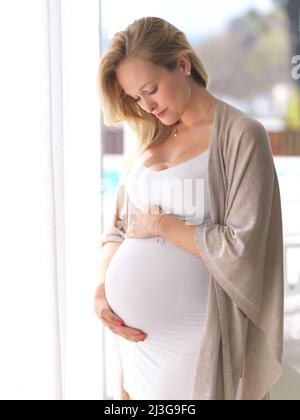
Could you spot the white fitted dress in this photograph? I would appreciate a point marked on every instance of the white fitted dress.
(161, 288)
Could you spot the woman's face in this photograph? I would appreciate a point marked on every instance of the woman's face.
(156, 89)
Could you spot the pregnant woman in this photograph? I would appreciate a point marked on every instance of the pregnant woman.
(192, 268)
(161, 290)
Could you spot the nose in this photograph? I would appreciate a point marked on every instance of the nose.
(149, 107)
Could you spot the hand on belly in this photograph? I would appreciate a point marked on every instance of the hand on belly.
(151, 286)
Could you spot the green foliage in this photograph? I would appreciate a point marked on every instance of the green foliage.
(293, 113)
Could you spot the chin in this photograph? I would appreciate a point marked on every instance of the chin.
(168, 122)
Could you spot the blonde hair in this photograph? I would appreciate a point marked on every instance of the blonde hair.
(154, 40)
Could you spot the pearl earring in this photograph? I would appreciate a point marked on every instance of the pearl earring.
(189, 73)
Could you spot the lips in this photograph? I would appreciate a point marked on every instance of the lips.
(160, 114)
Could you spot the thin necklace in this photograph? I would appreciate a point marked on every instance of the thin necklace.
(177, 129)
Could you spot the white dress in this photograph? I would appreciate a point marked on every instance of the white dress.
(160, 288)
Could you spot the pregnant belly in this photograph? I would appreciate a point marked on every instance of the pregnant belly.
(150, 286)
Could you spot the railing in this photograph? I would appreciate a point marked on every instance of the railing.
(285, 143)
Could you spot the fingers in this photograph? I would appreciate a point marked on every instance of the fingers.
(128, 333)
(112, 321)
(106, 314)
(154, 209)
(131, 334)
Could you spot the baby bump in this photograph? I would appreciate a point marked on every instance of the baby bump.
(151, 285)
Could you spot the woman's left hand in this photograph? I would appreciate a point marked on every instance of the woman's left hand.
(144, 223)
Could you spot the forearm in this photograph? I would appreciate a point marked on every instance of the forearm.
(179, 233)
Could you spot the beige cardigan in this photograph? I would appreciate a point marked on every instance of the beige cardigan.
(241, 351)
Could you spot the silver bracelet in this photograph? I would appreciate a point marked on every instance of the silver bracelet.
(160, 239)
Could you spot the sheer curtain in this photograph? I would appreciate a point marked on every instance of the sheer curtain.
(51, 341)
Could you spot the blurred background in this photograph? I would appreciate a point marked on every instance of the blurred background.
(60, 167)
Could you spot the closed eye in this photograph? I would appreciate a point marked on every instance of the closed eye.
(151, 93)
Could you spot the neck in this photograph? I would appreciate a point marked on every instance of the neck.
(199, 108)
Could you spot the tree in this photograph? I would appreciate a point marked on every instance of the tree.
(292, 8)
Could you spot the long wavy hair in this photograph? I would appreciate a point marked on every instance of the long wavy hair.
(154, 40)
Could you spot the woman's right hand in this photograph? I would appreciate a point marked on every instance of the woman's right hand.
(112, 321)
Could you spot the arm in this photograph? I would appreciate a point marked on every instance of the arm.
(179, 233)
(111, 240)
(116, 230)
(234, 246)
